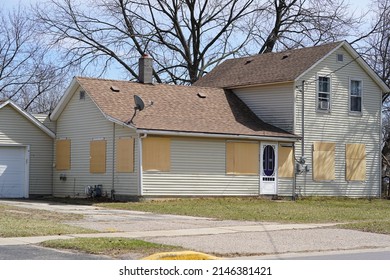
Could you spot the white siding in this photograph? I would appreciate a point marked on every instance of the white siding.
(341, 127)
(81, 121)
(16, 129)
(274, 104)
(198, 168)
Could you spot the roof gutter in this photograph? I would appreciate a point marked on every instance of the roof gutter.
(215, 135)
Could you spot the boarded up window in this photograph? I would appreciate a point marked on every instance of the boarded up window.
(156, 154)
(324, 161)
(125, 155)
(242, 158)
(355, 157)
(97, 156)
(63, 154)
(285, 162)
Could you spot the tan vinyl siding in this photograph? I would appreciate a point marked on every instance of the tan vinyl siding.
(81, 122)
(16, 129)
(198, 167)
(341, 127)
(274, 104)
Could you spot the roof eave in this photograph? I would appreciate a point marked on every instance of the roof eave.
(29, 117)
(259, 85)
(292, 138)
(319, 61)
(357, 58)
(64, 100)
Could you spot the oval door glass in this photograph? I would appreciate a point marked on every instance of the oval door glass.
(268, 160)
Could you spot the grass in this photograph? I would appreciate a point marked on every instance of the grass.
(113, 247)
(313, 210)
(20, 222)
(360, 214)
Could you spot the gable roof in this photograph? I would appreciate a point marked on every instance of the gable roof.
(28, 116)
(265, 68)
(185, 109)
(287, 66)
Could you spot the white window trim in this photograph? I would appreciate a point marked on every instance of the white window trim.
(318, 110)
(355, 113)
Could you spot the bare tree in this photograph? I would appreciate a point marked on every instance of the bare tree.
(184, 37)
(16, 52)
(26, 67)
(299, 23)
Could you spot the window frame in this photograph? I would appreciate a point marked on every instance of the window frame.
(320, 149)
(98, 156)
(318, 109)
(354, 163)
(124, 155)
(235, 159)
(350, 96)
(63, 149)
(156, 147)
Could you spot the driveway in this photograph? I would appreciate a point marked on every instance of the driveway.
(226, 238)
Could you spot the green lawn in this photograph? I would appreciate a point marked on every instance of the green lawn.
(19, 222)
(110, 246)
(362, 214)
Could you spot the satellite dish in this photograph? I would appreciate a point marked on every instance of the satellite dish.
(139, 103)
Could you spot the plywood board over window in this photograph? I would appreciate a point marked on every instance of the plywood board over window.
(97, 160)
(156, 154)
(125, 155)
(355, 159)
(324, 161)
(242, 158)
(285, 162)
(63, 154)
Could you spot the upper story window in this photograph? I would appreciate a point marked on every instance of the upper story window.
(355, 91)
(323, 93)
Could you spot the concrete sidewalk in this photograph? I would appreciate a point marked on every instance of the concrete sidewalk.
(226, 238)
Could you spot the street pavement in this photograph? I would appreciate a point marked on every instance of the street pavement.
(229, 239)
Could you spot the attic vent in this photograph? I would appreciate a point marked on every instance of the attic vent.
(285, 56)
(115, 89)
(201, 95)
(249, 60)
(340, 57)
(82, 95)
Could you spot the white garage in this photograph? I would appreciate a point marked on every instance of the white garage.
(13, 171)
(26, 154)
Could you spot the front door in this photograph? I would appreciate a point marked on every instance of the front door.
(268, 168)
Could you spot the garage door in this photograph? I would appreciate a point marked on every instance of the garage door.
(13, 167)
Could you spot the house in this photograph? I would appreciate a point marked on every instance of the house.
(331, 98)
(187, 141)
(301, 122)
(26, 152)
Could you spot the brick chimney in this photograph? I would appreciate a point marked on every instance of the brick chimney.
(145, 68)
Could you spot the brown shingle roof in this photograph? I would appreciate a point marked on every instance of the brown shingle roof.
(265, 68)
(178, 108)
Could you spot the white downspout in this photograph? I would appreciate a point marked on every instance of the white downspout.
(140, 170)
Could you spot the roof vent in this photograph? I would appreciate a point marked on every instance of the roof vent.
(82, 95)
(285, 56)
(201, 95)
(115, 89)
(249, 60)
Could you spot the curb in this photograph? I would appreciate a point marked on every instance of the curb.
(183, 255)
